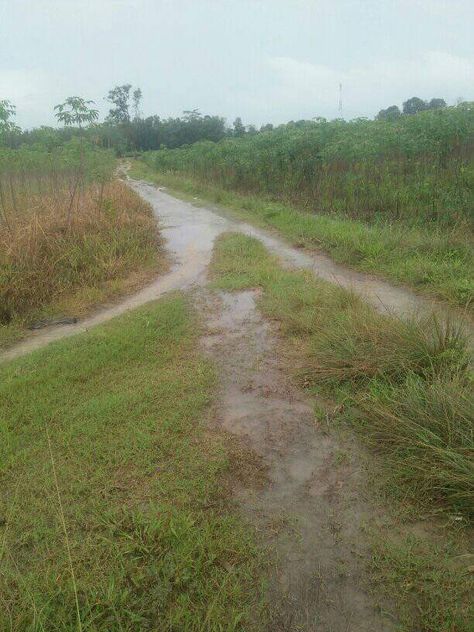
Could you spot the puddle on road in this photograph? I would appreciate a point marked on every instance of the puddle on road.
(189, 232)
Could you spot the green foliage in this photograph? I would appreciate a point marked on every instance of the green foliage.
(7, 111)
(9, 132)
(417, 169)
(414, 105)
(238, 128)
(120, 98)
(391, 113)
(428, 579)
(430, 257)
(75, 111)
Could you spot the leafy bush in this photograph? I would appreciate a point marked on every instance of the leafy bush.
(416, 168)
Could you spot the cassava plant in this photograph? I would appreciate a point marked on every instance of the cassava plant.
(76, 112)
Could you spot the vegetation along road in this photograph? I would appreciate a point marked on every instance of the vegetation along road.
(278, 442)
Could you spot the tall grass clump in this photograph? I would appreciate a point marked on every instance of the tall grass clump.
(405, 384)
(61, 234)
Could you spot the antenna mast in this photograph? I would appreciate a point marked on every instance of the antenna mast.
(340, 98)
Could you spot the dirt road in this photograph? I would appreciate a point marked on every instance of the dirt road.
(313, 508)
(190, 232)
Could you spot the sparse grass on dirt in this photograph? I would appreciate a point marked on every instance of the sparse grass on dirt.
(114, 513)
(405, 386)
(429, 577)
(434, 259)
(48, 269)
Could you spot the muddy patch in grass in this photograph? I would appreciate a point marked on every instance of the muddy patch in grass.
(312, 511)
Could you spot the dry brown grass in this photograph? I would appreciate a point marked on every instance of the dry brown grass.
(112, 243)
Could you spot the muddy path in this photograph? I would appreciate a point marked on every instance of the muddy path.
(190, 232)
(313, 510)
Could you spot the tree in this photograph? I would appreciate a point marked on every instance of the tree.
(75, 112)
(239, 128)
(191, 115)
(120, 97)
(437, 104)
(137, 97)
(391, 113)
(7, 111)
(8, 129)
(414, 105)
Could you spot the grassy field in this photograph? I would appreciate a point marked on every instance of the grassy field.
(51, 269)
(406, 388)
(114, 513)
(435, 259)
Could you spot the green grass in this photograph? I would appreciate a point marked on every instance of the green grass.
(408, 380)
(436, 261)
(406, 389)
(121, 520)
(429, 580)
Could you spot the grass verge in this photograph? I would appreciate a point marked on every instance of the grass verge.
(48, 270)
(438, 262)
(406, 387)
(114, 512)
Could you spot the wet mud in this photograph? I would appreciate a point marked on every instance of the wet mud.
(313, 511)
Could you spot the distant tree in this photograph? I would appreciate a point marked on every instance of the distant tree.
(238, 128)
(75, 111)
(414, 105)
(252, 130)
(268, 127)
(7, 112)
(137, 97)
(437, 104)
(391, 113)
(191, 115)
(120, 98)
(9, 132)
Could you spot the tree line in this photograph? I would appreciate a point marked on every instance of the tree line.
(416, 169)
(126, 130)
(411, 106)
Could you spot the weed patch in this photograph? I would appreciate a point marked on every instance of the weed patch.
(48, 269)
(378, 363)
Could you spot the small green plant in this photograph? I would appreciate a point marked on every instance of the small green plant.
(76, 112)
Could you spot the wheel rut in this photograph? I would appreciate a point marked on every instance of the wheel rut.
(313, 510)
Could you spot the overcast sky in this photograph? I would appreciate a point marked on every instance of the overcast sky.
(263, 60)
